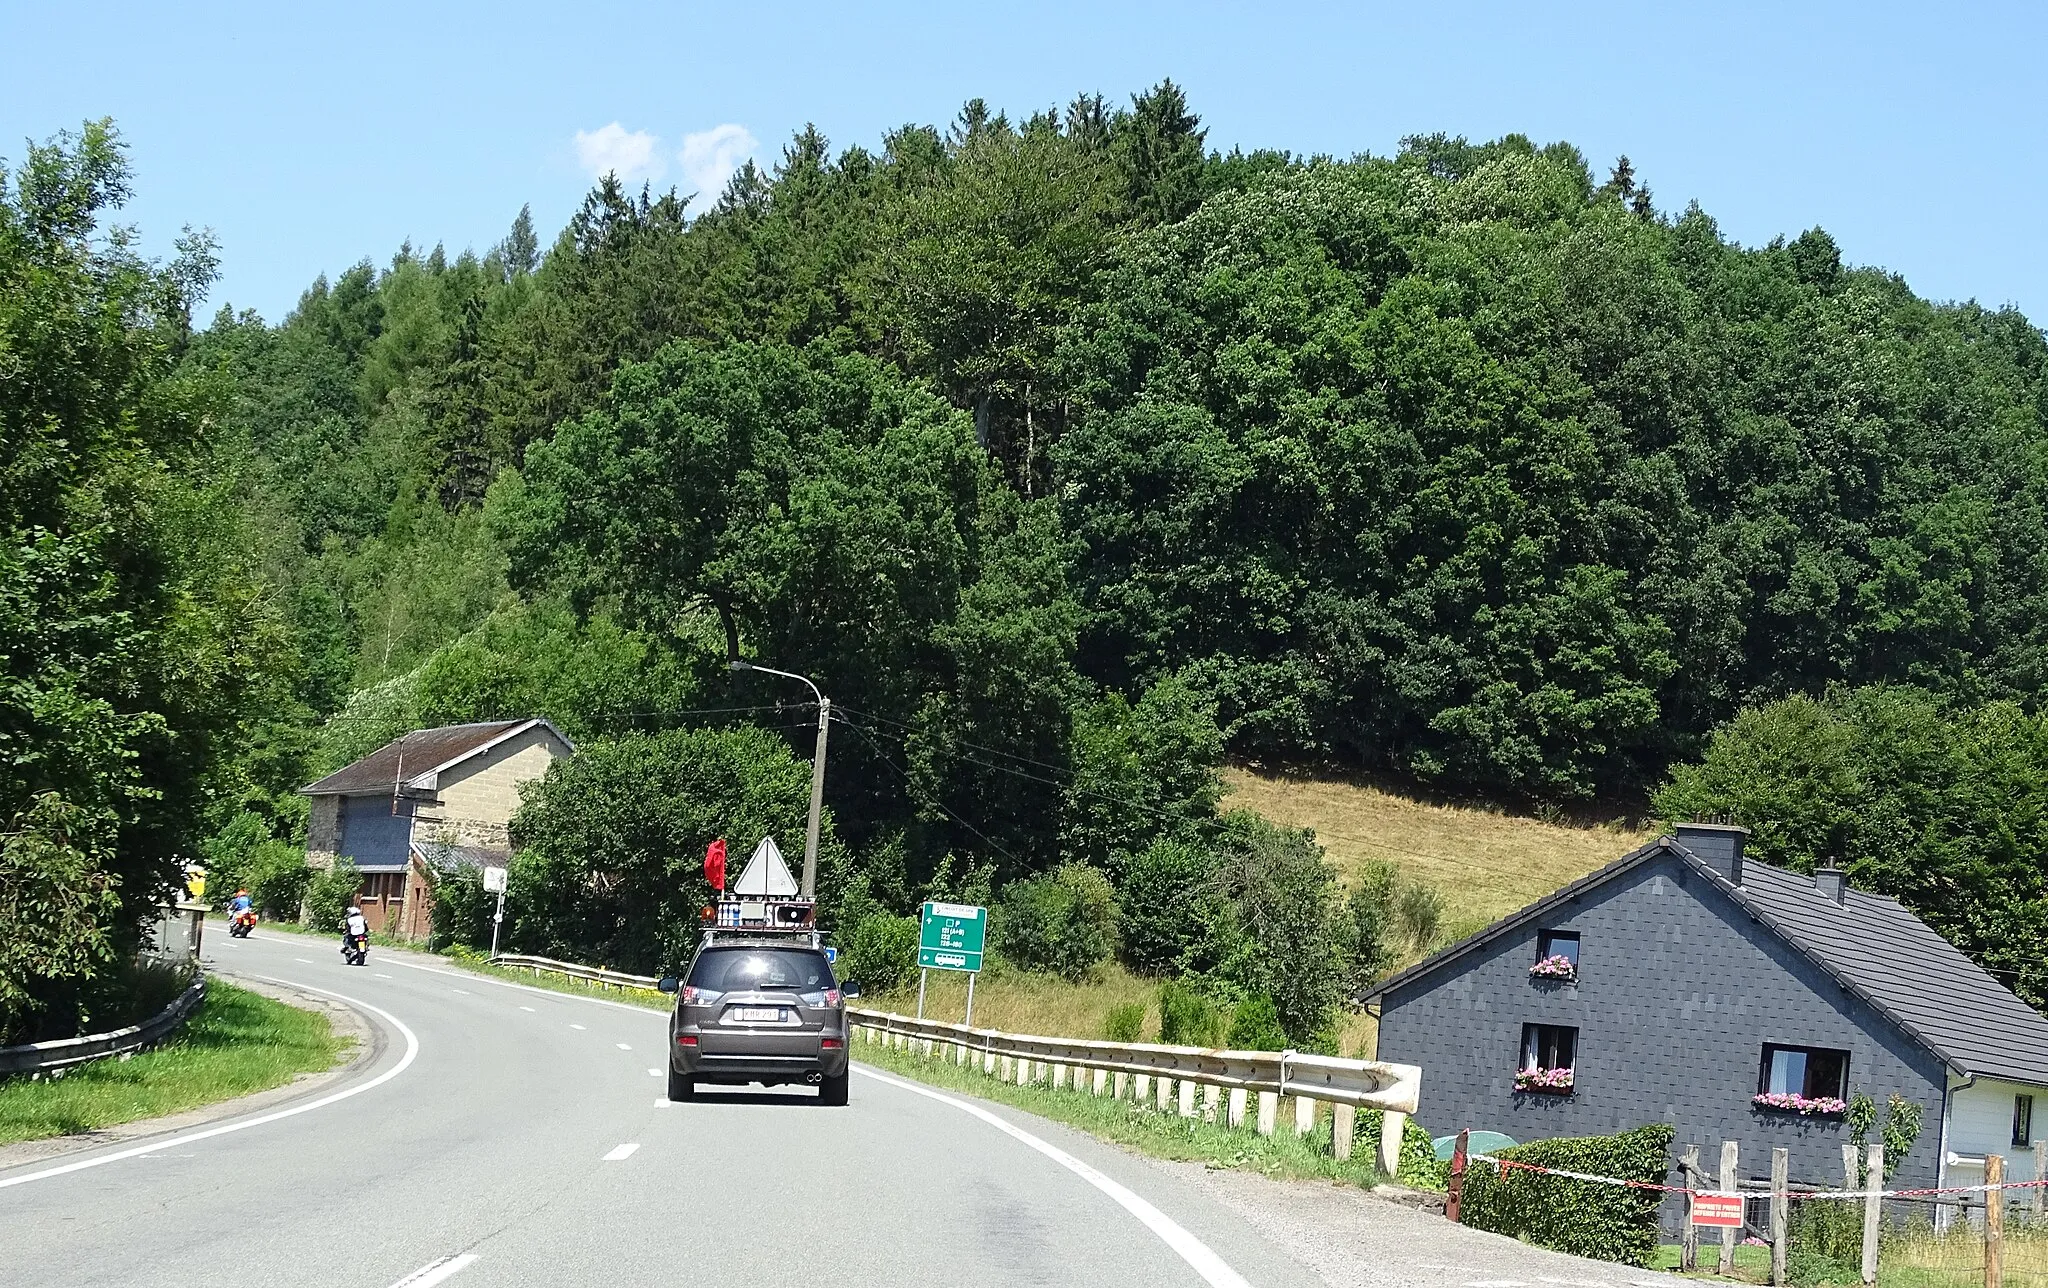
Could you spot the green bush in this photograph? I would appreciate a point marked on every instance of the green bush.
(881, 953)
(1167, 903)
(1064, 923)
(1418, 1164)
(1255, 1026)
(1125, 1023)
(1186, 1018)
(1607, 1222)
(328, 893)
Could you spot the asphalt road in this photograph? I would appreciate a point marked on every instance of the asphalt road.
(510, 1136)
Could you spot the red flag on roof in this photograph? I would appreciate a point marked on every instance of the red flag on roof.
(714, 864)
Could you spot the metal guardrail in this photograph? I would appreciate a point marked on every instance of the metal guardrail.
(589, 974)
(1365, 1084)
(62, 1053)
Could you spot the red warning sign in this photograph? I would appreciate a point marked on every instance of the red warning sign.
(1723, 1210)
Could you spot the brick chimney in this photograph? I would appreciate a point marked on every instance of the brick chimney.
(1718, 845)
(1833, 883)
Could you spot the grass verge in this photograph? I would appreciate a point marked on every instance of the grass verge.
(238, 1042)
(1141, 1127)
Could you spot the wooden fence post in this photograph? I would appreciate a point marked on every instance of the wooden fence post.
(1994, 1221)
(1873, 1211)
(1236, 1113)
(1781, 1212)
(1269, 1111)
(1730, 1182)
(2041, 1174)
(1343, 1121)
(1162, 1089)
(1305, 1117)
(1689, 1247)
(1454, 1202)
(1187, 1098)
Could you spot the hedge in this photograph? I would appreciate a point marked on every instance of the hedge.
(1607, 1222)
(1418, 1165)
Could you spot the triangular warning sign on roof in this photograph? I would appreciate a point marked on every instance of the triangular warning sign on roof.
(767, 876)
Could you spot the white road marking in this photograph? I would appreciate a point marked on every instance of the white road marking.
(465, 992)
(654, 1073)
(663, 1103)
(622, 1046)
(412, 1051)
(383, 976)
(306, 961)
(527, 1009)
(622, 1152)
(436, 1271)
(1200, 1257)
(578, 1026)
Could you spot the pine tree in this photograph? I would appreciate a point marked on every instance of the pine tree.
(1159, 145)
(520, 250)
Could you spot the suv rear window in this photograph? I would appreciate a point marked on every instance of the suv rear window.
(731, 970)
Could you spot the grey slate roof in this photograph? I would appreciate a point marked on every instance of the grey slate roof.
(1873, 945)
(1899, 962)
(418, 756)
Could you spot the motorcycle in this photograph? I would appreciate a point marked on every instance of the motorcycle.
(355, 949)
(242, 923)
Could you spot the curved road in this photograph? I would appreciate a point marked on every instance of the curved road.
(521, 1137)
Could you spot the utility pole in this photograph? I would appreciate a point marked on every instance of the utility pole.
(810, 888)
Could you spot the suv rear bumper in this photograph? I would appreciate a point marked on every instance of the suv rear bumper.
(729, 1057)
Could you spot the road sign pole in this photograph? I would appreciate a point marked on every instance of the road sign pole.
(969, 1021)
(921, 977)
(496, 919)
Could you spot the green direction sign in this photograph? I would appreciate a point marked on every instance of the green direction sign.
(950, 936)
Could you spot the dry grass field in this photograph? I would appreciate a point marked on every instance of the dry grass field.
(1486, 863)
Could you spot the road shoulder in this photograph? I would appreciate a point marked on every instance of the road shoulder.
(369, 1045)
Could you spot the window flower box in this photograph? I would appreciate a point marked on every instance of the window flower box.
(1556, 966)
(1546, 1080)
(1791, 1103)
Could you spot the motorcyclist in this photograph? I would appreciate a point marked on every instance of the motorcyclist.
(355, 928)
(240, 904)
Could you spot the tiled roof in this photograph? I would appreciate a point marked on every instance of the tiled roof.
(409, 762)
(1894, 960)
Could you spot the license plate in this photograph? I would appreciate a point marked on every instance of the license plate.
(757, 1014)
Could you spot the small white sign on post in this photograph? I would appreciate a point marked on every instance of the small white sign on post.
(494, 880)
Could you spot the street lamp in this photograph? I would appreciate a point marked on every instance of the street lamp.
(810, 890)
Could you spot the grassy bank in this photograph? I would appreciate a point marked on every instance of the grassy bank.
(1141, 1127)
(238, 1042)
(1487, 863)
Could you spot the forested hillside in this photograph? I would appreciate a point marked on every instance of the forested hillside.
(1069, 456)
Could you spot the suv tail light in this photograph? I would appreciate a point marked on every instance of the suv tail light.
(829, 1044)
(686, 1039)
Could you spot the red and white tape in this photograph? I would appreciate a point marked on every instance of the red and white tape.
(1505, 1163)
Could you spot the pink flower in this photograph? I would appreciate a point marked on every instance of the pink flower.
(1558, 966)
(1543, 1080)
(1798, 1104)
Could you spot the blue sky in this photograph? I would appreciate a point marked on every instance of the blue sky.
(308, 141)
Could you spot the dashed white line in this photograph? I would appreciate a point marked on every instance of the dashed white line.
(1200, 1257)
(622, 1046)
(654, 1073)
(380, 975)
(412, 1051)
(663, 1103)
(621, 1153)
(304, 961)
(435, 1272)
(465, 992)
(527, 1009)
(578, 1026)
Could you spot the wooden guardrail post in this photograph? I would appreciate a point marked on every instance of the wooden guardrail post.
(1162, 1089)
(1269, 1111)
(1729, 1234)
(1098, 1083)
(1343, 1121)
(1122, 1080)
(1143, 1091)
(1781, 1215)
(1873, 1210)
(1236, 1113)
(1187, 1098)
(1393, 1126)
(1304, 1115)
(1994, 1221)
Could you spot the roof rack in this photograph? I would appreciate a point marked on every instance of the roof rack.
(749, 918)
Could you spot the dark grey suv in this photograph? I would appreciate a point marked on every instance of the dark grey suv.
(757, 1009)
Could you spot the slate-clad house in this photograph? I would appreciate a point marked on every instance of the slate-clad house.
(1689, 985)
(433, 794)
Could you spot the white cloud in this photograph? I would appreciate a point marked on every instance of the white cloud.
(710, 157)
(614, 150)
